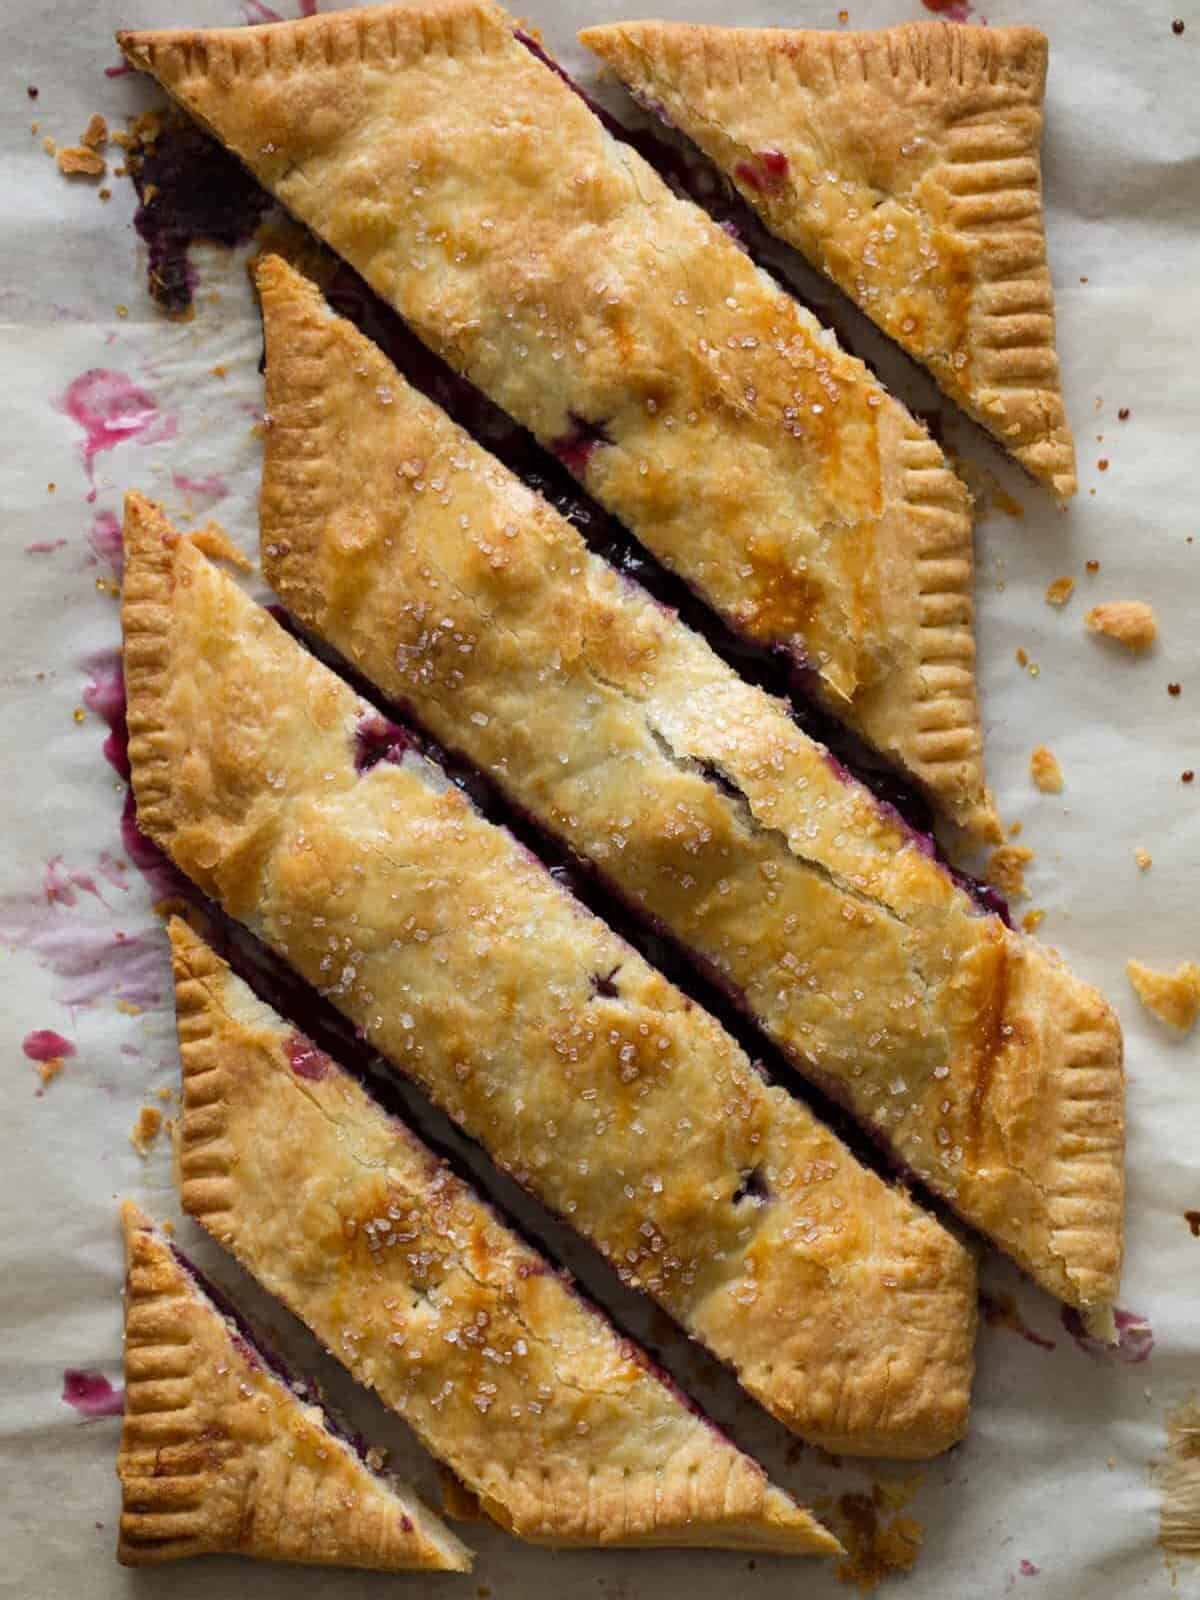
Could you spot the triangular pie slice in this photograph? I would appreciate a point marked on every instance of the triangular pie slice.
(561, 1427)
(220, 1455)
(993, 1074)
(906, 164)
(703, 406)
(840, 1305)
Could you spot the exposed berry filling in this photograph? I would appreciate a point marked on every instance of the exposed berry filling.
(307, 1061)
(578, 444)
(377, 739)
(765, 173)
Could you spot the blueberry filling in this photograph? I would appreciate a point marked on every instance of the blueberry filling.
(764, 174)
(377, 739)
(576, 447)
(752, 1187)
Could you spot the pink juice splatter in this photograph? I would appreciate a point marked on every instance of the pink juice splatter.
(91, 1394)
(121, 70)
(104, 693)
(1135, 1337)
(107, 543)
(43, 1044)
(212, 488)
(1028, 1569)
(60, 882)
(952, 10)
(44, 547)
(110, 408)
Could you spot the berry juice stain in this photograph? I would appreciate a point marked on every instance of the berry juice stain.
(91, 1394)
(111, 409)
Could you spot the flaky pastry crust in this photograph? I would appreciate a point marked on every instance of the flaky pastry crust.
(556, 1423)
(845, 1309)
(991, 1072)
(219, 1456)
(701, 404)
(906, 164)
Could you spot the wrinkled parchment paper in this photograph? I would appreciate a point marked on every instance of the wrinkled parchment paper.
(1051, 1494)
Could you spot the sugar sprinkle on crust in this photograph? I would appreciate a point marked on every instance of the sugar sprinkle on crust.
(696, 795)
(558, 1425)
(218, 1456)
(841, 1305)
(698, 402)
(905, 163)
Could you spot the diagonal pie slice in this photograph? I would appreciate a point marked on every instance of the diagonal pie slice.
(840, 1305)
(219, 1455)
(992, 1073)
(544, 259)
(560, 1426)
(905, 163)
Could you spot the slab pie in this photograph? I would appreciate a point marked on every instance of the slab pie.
(219, 1455)
(993, 1074)
(479, 195)
(841, 1305)
(559, 1425)
(906, 164)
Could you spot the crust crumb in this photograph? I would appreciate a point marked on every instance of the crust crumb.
(146, 1129)
(1032, 921)
(95, 135)
(216, 543)
(1143, 858)
(47, 1071)
(76, 162)
(875, 1547)
(1129, 622)
(1060, 591)
(1045, 770)
(1177, 1477)
(1006, 869)
(1173, 997)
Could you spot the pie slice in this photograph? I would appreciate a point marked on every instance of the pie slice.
(219, 1454)
(905, 163)
(843, 1307)
(562, 1428)
(478, 194)
(993, 1074)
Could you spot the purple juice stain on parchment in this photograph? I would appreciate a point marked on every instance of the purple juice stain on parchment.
(211, 488)
(1135, 1338)
(107, 543)
(111, 409)
(91, 1394)
(1028, 1569)
(44, 547)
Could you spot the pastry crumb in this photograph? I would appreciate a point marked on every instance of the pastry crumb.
(76, 162)
(47, 1071)
(1032, 921)
(95, 135)
(1045, 770)
(1060, 591)
(1143, 858)
(1130, 622)
(1022, 657)
(1014, 828)
(146, 1129)
(1173, 997)
(49, 146)
(216, 544)
(1006, 869)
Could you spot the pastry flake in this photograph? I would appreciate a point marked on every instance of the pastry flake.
(1173, 997)
(560, 1427)
(905, 164)
(695, 795)
(1129, 622)
(1045, 770)
(840, 1305)
(219, 1455)
(696, 400)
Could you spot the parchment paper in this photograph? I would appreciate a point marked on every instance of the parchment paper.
(1055, 1474)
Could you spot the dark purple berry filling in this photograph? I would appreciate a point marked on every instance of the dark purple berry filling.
(576, 447)
(765, 174)
(375, 740)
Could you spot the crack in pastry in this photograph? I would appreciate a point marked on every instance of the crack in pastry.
(905, 164)
(479, 196)
(845, 1309)
(559, 1425)
(990, 1071)
(220, 1455)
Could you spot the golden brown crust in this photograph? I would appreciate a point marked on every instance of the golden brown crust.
(464, 595)
(905, 163)
(699, 402)
(219, 1456)
(556, 1423)
(841, 1305)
